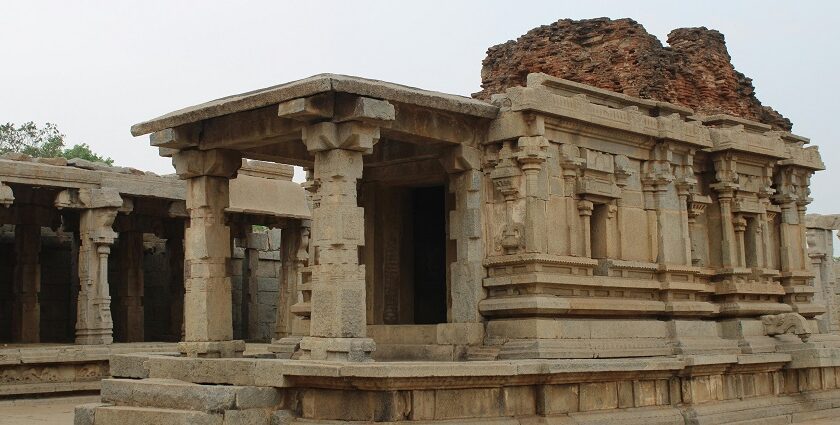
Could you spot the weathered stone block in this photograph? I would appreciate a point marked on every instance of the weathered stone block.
(168, 394)
(257, 397)
(561, 399)
(247, 417)
(84, 414)
(355, 405)
(598, 396)
(124, 415)
(129, 366)
(467, 403)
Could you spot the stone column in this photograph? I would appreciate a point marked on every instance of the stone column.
(465, 228)
(128, 305)
(294, 242)
(93, 316)
(208, 320)
(26, 309)
(339, 320)
(254, 243)
(287, 293)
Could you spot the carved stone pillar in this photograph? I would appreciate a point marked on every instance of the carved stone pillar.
(26, 308)
(465, 228)
(128, 303)
(339, 319)
(293, 304)
(290, 265)
(796, 276)
(208, 320)
(93, 317)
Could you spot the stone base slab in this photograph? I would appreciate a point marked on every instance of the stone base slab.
(285, 348)
(28, 370)
(645, 391)
(337, 349)
(212, 349)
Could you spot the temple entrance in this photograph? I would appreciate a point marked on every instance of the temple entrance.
(429, 246)
(406, 255)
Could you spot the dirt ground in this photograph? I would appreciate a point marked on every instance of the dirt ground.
(42, 411)
(59, 411)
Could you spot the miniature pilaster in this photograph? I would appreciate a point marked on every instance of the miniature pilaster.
(208, 321)
(726, 185)
(531, 155)
(93, 318)
(339, 322)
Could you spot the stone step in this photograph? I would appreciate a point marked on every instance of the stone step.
(131, 415)
(174, 394)
(482, 353)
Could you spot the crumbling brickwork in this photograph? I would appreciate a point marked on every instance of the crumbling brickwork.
(620, 55)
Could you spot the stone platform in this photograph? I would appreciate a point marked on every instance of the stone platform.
(757, 388)
(37, 369)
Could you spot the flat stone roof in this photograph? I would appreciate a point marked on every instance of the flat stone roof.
(260, 188)
(313, 85)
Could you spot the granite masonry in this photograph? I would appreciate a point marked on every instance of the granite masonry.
(551, 253)
(93, 258)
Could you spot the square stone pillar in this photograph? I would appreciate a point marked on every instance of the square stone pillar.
(26, 308)
(466, 273)
(128, 305)
(208, 321)
(339, 319)
(93, 314)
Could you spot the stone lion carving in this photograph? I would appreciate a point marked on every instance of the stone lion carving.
(778, 324)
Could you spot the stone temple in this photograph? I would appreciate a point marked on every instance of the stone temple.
(549, 252)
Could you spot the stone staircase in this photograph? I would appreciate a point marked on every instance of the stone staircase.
(173, 402)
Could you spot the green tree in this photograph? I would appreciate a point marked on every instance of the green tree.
(44, 142)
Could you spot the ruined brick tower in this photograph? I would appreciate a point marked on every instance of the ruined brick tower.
(620, 55)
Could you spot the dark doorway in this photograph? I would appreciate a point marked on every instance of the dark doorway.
(429, 230)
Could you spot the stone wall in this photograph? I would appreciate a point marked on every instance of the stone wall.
(265, 279)
(620, 55)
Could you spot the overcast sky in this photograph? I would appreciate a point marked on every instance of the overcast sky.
(96, 67)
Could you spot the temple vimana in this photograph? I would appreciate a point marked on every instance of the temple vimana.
(611, 231)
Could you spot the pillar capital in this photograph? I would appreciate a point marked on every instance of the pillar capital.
(350, 135)
(212, 162)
